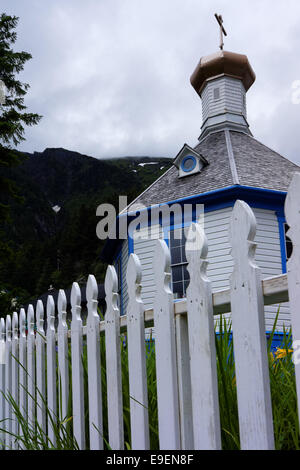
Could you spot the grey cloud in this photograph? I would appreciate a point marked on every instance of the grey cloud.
(111, 77)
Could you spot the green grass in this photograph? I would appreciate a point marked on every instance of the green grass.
(283, 394)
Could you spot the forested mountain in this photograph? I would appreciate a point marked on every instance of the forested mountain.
(49, 248)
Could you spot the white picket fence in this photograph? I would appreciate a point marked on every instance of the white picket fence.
(187, 391)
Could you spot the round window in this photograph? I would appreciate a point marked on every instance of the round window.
(188, 163)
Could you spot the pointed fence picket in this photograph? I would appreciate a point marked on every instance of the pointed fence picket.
(293, 270)
(15, 375)
(94, 366)
(204, 383)
(31, 367)
(165, 352)
(40, 367)
(63, 364)
(137, 358)
(186, 364)
(2, 381)
(23, 366)
(249, 338)
(77, 367)
(113, 362)
(51, 371)
(8, 383)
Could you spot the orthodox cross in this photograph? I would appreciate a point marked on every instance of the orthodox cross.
(222, 30)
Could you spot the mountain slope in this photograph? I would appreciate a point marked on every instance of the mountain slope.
(57, 249)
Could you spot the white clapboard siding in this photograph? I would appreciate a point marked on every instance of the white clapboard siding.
(268, 255)
(142, 247)
(216, 224)
(231, 92)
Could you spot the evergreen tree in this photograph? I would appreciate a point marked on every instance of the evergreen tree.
(13, 119)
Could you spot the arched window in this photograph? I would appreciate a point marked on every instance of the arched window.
(288, 243)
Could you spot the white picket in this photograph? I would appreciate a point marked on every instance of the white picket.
(137, 357)
(165, 351)
(2, 381)
(63, 362)
(40, 367)
(77, 367)
(184, 382)
(113, 361)
(205, 402)
(94, 366)
(15, 375)
(30, 367)
(23, 364)
(8, 384)
(249, 338)
(51, 371)
(293, 271)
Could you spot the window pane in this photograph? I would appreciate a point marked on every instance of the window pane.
(186, 275)
(177, 273)
(175, 237)
(175, 255)
(178, 288)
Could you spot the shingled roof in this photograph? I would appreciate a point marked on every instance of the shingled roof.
(234, 158)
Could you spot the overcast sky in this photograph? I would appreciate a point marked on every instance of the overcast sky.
(111, 77)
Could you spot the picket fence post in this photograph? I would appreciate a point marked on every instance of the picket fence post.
(40, 366)
(63, 362)
(77, 367)
(8, 383)
(205, 401)
(15, 374)
(2, 380)
(292, 207)
(249, 337)
(94, 366)
(51, 370)
(137, 357)
(30, 366)
(23, 364)
(113, 361)
(165, 351)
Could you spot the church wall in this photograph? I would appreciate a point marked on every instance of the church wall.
(268, 257)
(144, 249)
(232, 97)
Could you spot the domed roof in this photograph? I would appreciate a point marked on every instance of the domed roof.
(222, 63)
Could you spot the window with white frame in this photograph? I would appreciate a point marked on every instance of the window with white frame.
(180, 275)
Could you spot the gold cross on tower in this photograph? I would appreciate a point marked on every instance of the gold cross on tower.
(222, 30)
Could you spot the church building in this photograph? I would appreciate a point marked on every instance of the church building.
(227, 164)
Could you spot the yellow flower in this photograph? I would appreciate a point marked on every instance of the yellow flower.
(280, 353)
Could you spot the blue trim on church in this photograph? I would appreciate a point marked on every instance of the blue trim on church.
(214, 200)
